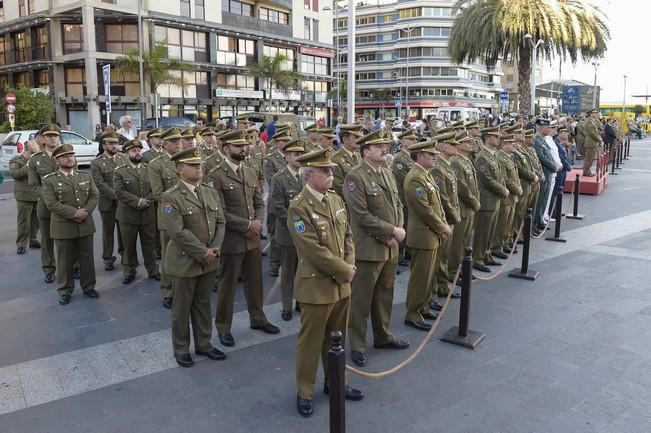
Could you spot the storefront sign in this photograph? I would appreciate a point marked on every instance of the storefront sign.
(319, 52)
(292, 95)
(233, 93)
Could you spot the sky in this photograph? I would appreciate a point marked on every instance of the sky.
(629, 22)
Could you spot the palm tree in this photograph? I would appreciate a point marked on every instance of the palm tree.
(271, 71)
(490, 30)
(156, 65)
(382, 96)
(343, 96)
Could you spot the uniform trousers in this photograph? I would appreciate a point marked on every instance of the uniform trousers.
(27, 225)
(288, 264)
(542, 200)
(165, 279)
(481, 240)
(420, 283)
(108, 236)
(192, 304)
(588, 158)
(48, 262)
(274, 248)
(130, 234)
(460, 241)
(317, 323)
(372, 294)
(440, 283)
(504, 226)
(69, 251)
(247, 265)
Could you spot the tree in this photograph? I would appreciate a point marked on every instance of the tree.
(271, 71)
(490, 30)
(343, 95)
(382, 96)
(33, 108)
(638, 110)
(156, 65)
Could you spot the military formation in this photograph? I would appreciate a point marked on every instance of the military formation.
(340, 223)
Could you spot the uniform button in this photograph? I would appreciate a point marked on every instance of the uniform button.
(312, 274)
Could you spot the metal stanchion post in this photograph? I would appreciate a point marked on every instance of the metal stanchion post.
(620, 149)
(577, 186)
(559, 217)
(461, 335)
(524, 272)
(336, 379)
(613, 162)
(617, 161)
(628, 147)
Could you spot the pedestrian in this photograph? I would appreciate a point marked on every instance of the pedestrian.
(71, 196)
(549, 168)
(26, 199)
(348, 156)
(319, 227)
(401, 165)
(195, 223)
(271, 128)
(127, 131)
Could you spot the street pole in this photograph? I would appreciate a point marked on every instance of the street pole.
(534, 63)
(351, 62)
(408, 30)
(336, 5)
(594, 96)
(624, 125)
(143, 107)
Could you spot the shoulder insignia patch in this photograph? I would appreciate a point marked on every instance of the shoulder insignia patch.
(299, 226)
(420, 191)
(296, 217)
(437, 180)
(400, 166)
(352, 186)
(12, 165)
(482, 168)
(167, 207)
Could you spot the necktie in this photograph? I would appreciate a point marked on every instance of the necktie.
(197, 191)
(239, 172)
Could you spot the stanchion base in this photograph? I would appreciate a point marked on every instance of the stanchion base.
(613, 173)
(530, 275)
(556, 239)
(575, 217)
(471, 341)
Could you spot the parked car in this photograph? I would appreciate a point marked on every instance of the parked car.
(299, 123)
(14, 144)
(169, 122)
(453, 114)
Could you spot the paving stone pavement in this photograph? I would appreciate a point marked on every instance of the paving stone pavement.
(570, 352)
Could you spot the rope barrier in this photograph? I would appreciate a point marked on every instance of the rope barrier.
(506, 262)
(420, 347)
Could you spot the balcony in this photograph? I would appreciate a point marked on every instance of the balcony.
(256, 24)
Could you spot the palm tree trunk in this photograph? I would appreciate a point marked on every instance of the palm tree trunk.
(524, 78)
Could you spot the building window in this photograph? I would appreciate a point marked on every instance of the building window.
(40, 48)
(388, 19)
(237, 7)
(343, 23)
(307, 28)
(315, 91)
(42, 78)
(200, 9)
(411, 13)
(121, 37)
(3, 51)
(21, 52)
(315, 30)
(414, 32)
(436, 32)
(185, 8)
(234, 81)
(367, 39)
(2, 10)
(183, 44)
(314, 65)
(365, 76)
(127, 85)
(270, 51)
(196, 86)
(75, 81)
(109, 1)
(235, 52)
(437, 12)
(21, 8)
(274, 16)
(362, 21)
(73, 38)
(23, 79)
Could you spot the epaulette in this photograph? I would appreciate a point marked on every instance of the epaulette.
(158, 157)
(120, 166)
(101, 155)
(38, 153)
(49, 174)
(206, 184)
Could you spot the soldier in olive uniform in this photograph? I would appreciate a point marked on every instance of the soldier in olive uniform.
(102, 169)
(187, 138)
(474, 130)
(376, 219)
(71, 196)
(195, 223)
(217, 157)
(41, 164)
(254, 156)
(162, 176)
(580, 134)
(325, 136)
(207, 143)
(155, 145)
(593, 141)
(26, 197)
(491, 191)
(241, 197)
(508, 205)
(402, 163)
(528, 180)
(348, 156)
(427, 227)
(446, 181)
(312, 138)
(285, 185)
(469, 204)
(319, 227)
(136, 211)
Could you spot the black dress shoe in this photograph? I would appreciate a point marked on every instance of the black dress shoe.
(507, 250)
(263, 237)
(267, 328)
(35, 244)
(500, 255)
(297, 307)
(455, 295)
(430, 315)
(64, 299)
(286, 315)
(436, 306)
(157, 253)
(273, 272)
(492, 262)
(304, 407)
(398, 271)
(108, 266)
(128, 278)
(350, 392)
(420, 325)
(21, 250)
(482, 268)
(154, 276)
(214, 354)
(184, 359)
(397, 344)
(226, 339)
(359, 358)
(403, 262)
(76, 275)
(49, 277)
(167, 303)
(92, 293)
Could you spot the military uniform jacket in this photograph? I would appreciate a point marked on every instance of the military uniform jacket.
(535, 162)
(131, 184)
(544, 155)
(207, 151)
(580, 132)
(273, 163)
(467, 187)
(242, 203)
(212, 161)
(255, 162)
(193, 226)
(162, 176)
(40, 164)
(345, 163)
(64, 195)
(477, 146)
(150, 155)
(102, 169)
(446, 180)
(19, 172)
(426, 215)
(592, 130)
(284, 187)
(324, 243)
(375, 209)
(511, 177)
(491, 181)
(402, 163)
(526, 170)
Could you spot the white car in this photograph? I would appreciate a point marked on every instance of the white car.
(14, 144)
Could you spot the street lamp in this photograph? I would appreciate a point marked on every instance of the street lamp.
(143, 106)
(335, 7)
(594, 97)
(408, 29)
(624, 106)
(534, 62)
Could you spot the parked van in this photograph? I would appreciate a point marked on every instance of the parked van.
(453, 114)
(299, 123)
